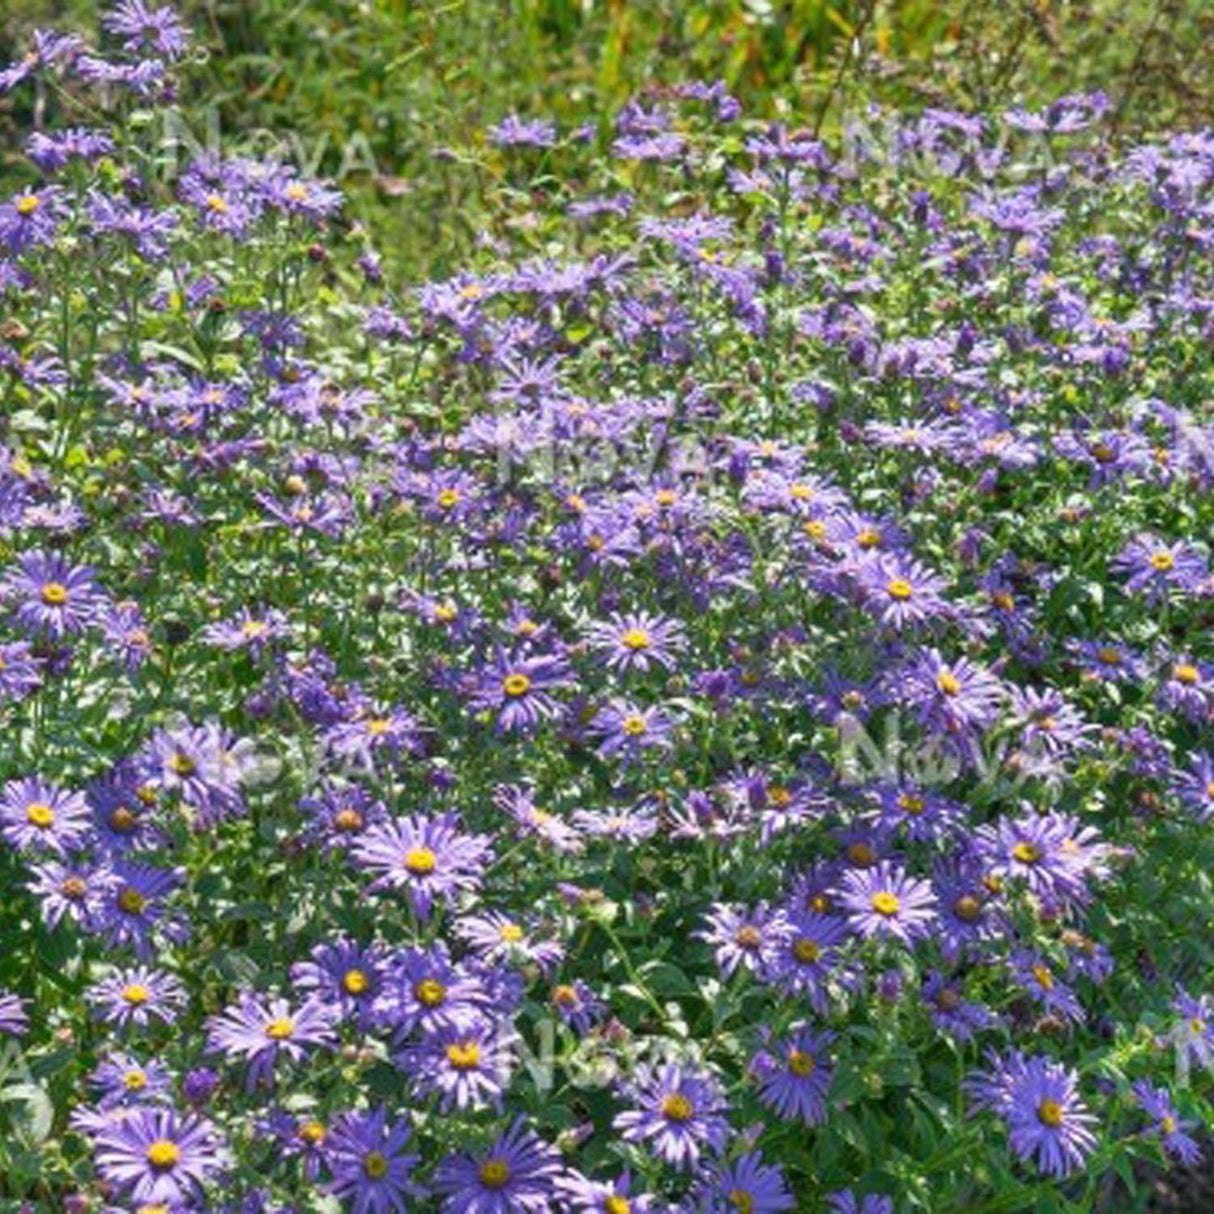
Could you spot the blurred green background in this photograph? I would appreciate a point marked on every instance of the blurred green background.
(378, 92)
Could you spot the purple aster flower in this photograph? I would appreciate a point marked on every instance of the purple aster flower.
(1153, 566)
(49, 47)
(638, 642)
(1038, 850)
(807, 956)
(900, 592)
(1050, 728)
(950, 1011)
(630, 825)
(1037, 979)
(1047, 1122)
(680, 1113)
(1167, 1126)
(424, 989)
(122, 1079)
(338, 816)
(369, 1162)
(36, 815)
(20, 672)
(743, 938)
(147, 31)
(426, 858)
(598, 1197)
(468, 1067)
(496, 938)
(13, 1018)
(1194, 786)
(156, 1156)
(251, 630)
(346, 976)
(515, 132)
(577, 1005)
(958, 699)
(135, 997)
(516, 1175)
(1188, 687)
(201, 765)
(627, 730)
(135, 905)
(846, 1202)
(260, 1032)
(518, 689)
(794, 1075)
(746, 1184)
(544, 824)
(31, 219)
(75, 889)
(920, 813)
(50, 597)
(885, 901)
(1194, 1035)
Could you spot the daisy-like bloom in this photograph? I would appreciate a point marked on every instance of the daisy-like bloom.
(807, 955)
(1039, 850)
(251, 630)
(884, 901)
(1050, 728)
(900, 593)
(627, 730)
(135, 997)
(1194, 1033)
(638, 642)
(1154, 567)
(957, 699)
(200, 764)
(20, 672)
(13, 1018)
(37, 815)
(1194, 786)
(370, 1164)
(680, 1114)
(918, 812)
(75, 890)
(498, 938)
(1034, 975)
(156, 1157)
(545, 825)
(337, 816)
(846, 1202)
(260, 1032)
(344, 975)
(148, 31)
(468, 1067)
(135, 907)
(372, 733)
(794, 1074)
(518, 689)
(1106, 661)
(967, 916)
(428, 859)
(518, 1174)
(1047, 1122)
(122, 1079)
(950, 1011)
(747, 1184)
(743, 938)
(628, 825)
(599, 1197)
(424, 989)
(1188, 687)
(1166, 1124)
(49, 597)
(577, 1005)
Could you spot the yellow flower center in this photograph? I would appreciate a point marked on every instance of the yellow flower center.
(635, 638)
(868, 538)
(886, 903)
(1049, 1113)
(1003, 600)
(805, 950)
(73, 887)
(748, 937)
(815, 528)
(677, 1107)
(28, 204)
(217, 204)
(742, 1201)
(511, 933)
(861, 855)
(1108, 657)
(967, 908)
(182, 764)
(1162, 560)
(430, 992)
(378, 726)
(355, 982)
(634, 725)
(375, 1165)
(800, 493)
(123, 820)
(131, 901)
(911, 804)
(1168, 1125)
(136, 994)
(134, 1081)
(1044, 976)
(420, 861)
(516, 684)
(900, 589)
(1186, 674)
(801, 1064)
(666, 497)
(1026, 853)
(494, 1173)
(40, 815)
(297, 191)
(617, 1205)
(163, 1154)
(446, 613)
(948, 682)
(313, 1132)
(449, 498)
(473, 290)
(464, 1055)
(54, 594)
(348, 820)
(280, 1029)
(947, 999)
